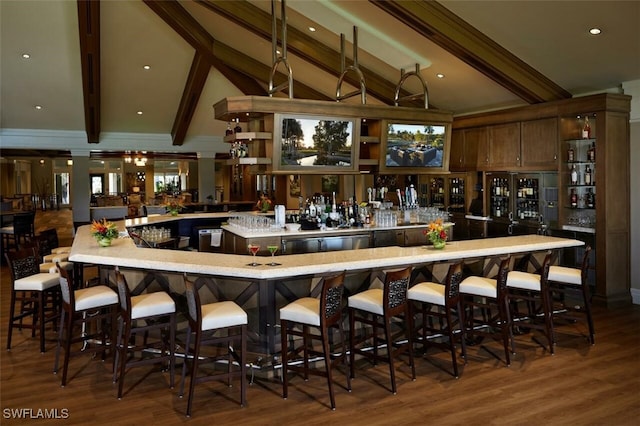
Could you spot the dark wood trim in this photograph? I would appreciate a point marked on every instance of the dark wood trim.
(456, 36)
(310, 50)
(89, 32)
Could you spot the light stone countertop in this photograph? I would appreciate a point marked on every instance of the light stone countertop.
(123, 252)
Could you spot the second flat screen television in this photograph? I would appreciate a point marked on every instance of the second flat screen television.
(415, 146)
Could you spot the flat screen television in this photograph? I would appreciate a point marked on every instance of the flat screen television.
(311, 144)
(419, 148)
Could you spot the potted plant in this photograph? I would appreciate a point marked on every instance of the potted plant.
(104, 232)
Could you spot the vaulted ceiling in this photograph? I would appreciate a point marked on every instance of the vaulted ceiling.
(87, 57)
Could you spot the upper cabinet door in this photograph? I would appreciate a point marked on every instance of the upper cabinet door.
(504, 146)
(456, 159)
(539, 142)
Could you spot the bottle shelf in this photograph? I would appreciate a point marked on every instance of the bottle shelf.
(578, 163)
(593, 185)
(248, 161)
(579, 208)
(246, 136)
(581, 140)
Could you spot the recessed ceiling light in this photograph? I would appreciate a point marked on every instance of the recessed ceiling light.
(38, 107)
(440, 75)
(595, 31)
(312, 29)
(139, 113)
(147, 67)
(26, 56)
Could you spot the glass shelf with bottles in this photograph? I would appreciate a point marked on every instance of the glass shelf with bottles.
(582, 198)
(456, 195)
(436, 193)
(499, 204)
(527, 199)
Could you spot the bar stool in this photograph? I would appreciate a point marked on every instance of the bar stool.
(87, 305)
(157, 311)
(486, 295)
(440, 301)
(35, 291)
(324, 313)
(375, 308)
(531, 289)
(563, 279)
(205, 321)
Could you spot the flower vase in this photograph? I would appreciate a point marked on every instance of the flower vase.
(174, 212)
(439, 245)
(104, 242)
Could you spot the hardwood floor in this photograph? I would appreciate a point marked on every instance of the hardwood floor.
(579, 385)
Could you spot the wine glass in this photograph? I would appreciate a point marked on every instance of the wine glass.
(273, 248)
(254, 249)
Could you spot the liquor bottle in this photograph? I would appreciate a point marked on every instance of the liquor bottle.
(237, 129)
(571, 154)
(229, 130)
(591, 153)
(586, 129)
(591, 199)
(574, 199)
(574, 175)
(587, 175)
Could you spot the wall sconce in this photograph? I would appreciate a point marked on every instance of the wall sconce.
(42, 161)
(69, 162)
(140, 161)
(127, 159)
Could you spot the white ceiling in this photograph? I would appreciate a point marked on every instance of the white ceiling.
(550, 36)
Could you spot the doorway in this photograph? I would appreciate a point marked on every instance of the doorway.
(97, 183)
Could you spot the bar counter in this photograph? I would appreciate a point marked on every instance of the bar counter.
(263, 289)
(123, 252)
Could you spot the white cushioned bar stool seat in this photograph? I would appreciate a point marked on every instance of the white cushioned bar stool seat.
(532, 289)
(375, 309)
(441, 301)
(140, 315)
(59, 250)
(55, 257)
(52, 268)
(488, 297)
(222, 314)
(297, 318)
(33, 293)
(97, 305)
(564, 279)
(221, 324)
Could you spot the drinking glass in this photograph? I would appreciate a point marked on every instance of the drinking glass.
(272, 249)
(254, 249)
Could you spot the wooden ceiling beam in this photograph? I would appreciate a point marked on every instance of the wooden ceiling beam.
(89, 32)
(196, 80)
(455, 35)
(307, 48)
(216, 53)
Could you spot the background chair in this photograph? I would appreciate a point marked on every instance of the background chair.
(35, 292)
(144, 313)
(21, 231)
(440, 301)
(323, 313)
(564, 281)
(376, 308)
(220, 324)
(87, 305)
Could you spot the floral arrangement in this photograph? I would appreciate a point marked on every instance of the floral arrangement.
(174, 206)
(104, 230)
(436, 232)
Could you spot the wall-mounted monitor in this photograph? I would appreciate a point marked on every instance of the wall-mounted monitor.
(311, 144)
(416, 148)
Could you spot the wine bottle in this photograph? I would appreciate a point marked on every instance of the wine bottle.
(587, 175)
(229, 130)
(591, 154)
(237, 129)
(586, 129)
(574, 199)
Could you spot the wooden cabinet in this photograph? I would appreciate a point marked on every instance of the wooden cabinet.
(539, 144)
(501, 149)
(464, 149)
